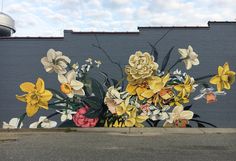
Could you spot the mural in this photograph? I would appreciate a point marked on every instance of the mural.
(150, 92)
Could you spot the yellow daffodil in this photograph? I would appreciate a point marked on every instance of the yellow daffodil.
(36, 96)
(134, 119)
(149, 87)
(224, 79)
(185, 88)
(124, 107)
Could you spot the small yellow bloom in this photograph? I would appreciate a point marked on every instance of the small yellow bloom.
(185, 88)
(134, 119)
(123, 108)
(37, 96)
(224, 79)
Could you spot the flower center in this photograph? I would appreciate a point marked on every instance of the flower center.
(32, 98)
(66, 88)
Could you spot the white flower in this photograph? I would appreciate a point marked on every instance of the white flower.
(66, 114)
(159, 114)
(13, 123)
(179, 113)
(45, 123)
(55, 61)
(189, 56)
(209, 94)
(69, 85)
(89, 60)
(98, 63)
(85, 68)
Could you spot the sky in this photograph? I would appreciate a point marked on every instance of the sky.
(51, 17)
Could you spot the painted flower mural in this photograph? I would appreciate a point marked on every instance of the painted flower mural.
(153, 95)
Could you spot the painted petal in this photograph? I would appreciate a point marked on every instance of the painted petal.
(45, 62)
(62, 78)
(190, 49)
(51, 55)
(147, 94)
(34, 125)
(42, 118)
(188, 64)
(178, 109)
(130, 122)
(69, 117)
(183, 53)
(226, 85)
(43, 105)
(79, 92)
(71, 75)
(27, 87)
(215, 80)
(131, 89)
(225, 78)
(6, 126)
(70, 95)
(77, 85)
(186, 115)
(140, 91)
(31, 110)
(178, 87)
(21, 98)
(65, 58)
(46, 96)
(220, 70)
(40, 87)
(195, 62)
(219, 87)
(226, 67)
(53, 124)
(14, 122)
(141, 118)
(62, 64)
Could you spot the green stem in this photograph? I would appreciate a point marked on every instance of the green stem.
(205, 77)
(203, 122)
(21, 119)
(177, 62)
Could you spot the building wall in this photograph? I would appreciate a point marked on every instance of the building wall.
(215, 44)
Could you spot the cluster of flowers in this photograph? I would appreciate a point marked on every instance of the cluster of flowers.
(153, 94)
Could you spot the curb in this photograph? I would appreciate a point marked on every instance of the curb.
(151, 131)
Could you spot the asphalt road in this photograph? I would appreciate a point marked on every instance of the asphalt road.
(100, 146)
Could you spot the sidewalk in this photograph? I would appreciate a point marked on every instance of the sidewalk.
(118, 144)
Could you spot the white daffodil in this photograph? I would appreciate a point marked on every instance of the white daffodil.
(55, 61)
(189, 57)
(66, 114)
(85, 68)
(89, 60)
(45, 123)
(69, 85)
(178, 114)
(75, 66)
(98, 63)
(13, 123)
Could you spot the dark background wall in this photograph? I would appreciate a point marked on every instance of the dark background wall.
(215, 44)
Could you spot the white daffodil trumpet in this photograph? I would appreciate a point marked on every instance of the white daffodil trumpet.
(13, 123)
(55, 61)
(209, 94)
(45, 123)
(69, 85)
(189, 57)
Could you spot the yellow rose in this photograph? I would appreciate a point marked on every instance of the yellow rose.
(141, 66)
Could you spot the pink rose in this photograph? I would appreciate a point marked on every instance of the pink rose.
(82, 121)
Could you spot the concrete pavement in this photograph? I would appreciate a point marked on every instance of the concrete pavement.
(123, 144)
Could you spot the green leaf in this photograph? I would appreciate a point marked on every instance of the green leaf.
(166, 59)
(21, 119)
(95, 107)
(97, 89)
(114, 82)
(155, 53)
(107, 81)
(187, 107)
(55, 93)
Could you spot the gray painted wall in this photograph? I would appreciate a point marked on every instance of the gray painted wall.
(215, 44)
